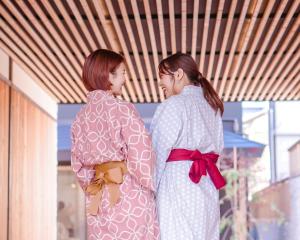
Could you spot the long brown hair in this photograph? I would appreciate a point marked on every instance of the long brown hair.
(96, 69)
(188, 65)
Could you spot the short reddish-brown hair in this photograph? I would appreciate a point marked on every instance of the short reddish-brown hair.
(96, 69)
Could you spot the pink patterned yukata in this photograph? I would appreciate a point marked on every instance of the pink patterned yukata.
(108, 129)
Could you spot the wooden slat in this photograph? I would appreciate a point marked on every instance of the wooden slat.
(215, 39)
(66, 68)
(109, 31)
(290, 85)
(205, 35)
(153, 45)
(67, 35)
(50, 27)
(249, 27)
(257, 83)
(224, 42)
(73, 61)
(125, 94)
(33, 61)
(77, 36)
(195, 28)
(34, 74)
(275, 63)
(282, 69)
(125, 50)
(4, 157)
(287, 85)
(93, 23)
(183, 25)
(83, 26)
(233, 46)
(99, 36)
(248, 85)
(257, 37)
(144, 49)
(58, 35)
(295, 93)
(38, 42)
(172, 26)
(161, 28)
(136, 56)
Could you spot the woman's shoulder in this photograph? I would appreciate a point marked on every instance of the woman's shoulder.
(175, 102)
(123, 104)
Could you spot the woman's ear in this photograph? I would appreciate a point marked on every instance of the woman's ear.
(179, 74)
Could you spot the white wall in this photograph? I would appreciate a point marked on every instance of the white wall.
(256, 128)
(287, 125)
(4, 63)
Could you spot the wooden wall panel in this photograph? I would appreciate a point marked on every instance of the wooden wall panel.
(4, 143)
(33, 172)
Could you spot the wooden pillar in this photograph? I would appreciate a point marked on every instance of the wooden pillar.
(4, 157)
(33, 172)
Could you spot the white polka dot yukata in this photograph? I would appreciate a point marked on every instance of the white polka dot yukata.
(187, 211)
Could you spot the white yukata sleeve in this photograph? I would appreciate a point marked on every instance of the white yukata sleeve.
(165, 128)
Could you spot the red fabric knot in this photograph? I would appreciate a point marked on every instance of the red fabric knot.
(203, 163)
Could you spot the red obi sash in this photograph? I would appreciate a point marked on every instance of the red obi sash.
(202, 163)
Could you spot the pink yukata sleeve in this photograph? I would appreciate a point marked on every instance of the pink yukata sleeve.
(84, 174)
(140, 155)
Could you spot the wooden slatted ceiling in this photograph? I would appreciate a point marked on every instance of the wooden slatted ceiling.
(248, 49)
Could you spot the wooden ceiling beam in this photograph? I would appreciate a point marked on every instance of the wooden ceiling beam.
(61, 43)
(244, 41)
(195, 28)
(183, 25)
(81, 22)
(67, 71)
(153, 45)
(172, 26)
(287, 84)
(205, 35)
(125, 50)
(284, 66)
(69, 38)
(115, 46)
(77, 36)
(42, 55)
(249, 83)
(284, 78)
(256, 39)
(29, 56)
(233, 47)
(135, 50)
(295, 92)
(161, 28)
(224, 43)
(24, 62)
(268, 62)
(93, 23)
(144, 49)
(215, 39)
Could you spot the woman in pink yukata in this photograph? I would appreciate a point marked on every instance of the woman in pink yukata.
(187, 135)
(112, 156)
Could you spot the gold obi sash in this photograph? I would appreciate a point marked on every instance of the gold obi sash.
(109, 174)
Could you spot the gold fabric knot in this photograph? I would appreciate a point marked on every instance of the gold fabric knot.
(109, 174)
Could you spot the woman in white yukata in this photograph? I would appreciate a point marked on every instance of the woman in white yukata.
(187, 134)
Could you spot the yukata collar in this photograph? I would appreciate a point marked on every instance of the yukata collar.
(191, 89)
(98, 94)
